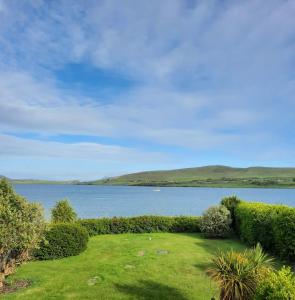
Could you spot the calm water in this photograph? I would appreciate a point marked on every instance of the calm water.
(98, 201)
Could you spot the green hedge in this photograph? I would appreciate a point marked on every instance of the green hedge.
(62, 240)
(140, 224)
(273, 226)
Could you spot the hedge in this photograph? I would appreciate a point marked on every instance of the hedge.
(140, 224)
(273, 226)
(62, 240)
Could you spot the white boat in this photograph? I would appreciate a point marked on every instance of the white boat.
(157, 190)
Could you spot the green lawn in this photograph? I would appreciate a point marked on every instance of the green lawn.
(128, 266)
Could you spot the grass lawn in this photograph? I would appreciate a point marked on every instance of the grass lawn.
(127, 266)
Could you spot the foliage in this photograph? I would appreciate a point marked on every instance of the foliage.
(271, 225)
(215, 222)
(140, 224)
(238, 273)
(110, 268)
(231, 203)
(62, 240)
(63, 212)
(277, 286)
(21, 227)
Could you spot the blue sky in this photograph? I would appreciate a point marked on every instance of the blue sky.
(100, 88)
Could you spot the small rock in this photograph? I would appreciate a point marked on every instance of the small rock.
(129, 267)
(93, 281)
(161, 252)
(140, 253)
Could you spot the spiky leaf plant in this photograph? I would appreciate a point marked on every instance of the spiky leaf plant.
(238, 273)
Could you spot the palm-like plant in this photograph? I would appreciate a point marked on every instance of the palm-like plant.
(238, 274)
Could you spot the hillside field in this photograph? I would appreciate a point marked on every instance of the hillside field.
(214, 176)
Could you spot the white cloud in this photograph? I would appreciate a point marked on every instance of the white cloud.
(14, 146)
(211, 75)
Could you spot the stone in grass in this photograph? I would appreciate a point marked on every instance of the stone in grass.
(162, 252)
(129, 267)
(141, 253)
(94, 280)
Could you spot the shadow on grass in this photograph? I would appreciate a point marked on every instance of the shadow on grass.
(147, 289)
(214, 245)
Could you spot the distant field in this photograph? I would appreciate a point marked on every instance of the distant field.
(211, 176)
(128, 266)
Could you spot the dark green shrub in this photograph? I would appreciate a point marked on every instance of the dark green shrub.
(277, 286)
(140, 224)
(271, 225)
(62, 240)
(62, 212)
(215, 222)
(231, 203)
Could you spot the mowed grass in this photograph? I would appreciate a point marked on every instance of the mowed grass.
(128, 266)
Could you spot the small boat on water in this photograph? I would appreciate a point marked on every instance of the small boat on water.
(157, 190)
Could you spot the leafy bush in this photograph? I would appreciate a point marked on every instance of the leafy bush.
(140, 224)
(21, 227)
(231, 203)
(63, 212)
(277, 286)
(62, 240)
(215, 222)
(239, 273)
(271, 225)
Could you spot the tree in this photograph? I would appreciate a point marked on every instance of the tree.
(231, 203)
(21, 227)
(63, 212)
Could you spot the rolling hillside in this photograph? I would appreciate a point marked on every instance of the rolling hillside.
(208, 176)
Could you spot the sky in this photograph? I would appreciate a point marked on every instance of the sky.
(90, 89)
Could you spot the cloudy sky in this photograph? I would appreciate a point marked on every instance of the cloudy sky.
(98, 88)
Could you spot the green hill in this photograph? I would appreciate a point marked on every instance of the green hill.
(39, 181)
(218, 176)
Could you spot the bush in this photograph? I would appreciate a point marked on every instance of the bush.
(239, 273)
(140, 224)
(215, 222)
(271, 225)
(231, 203)
(62, 240)
(21, 228)
(63, 212)
(277, 286)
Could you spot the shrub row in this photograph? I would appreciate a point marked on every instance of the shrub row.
(140, 224)
(273, 226)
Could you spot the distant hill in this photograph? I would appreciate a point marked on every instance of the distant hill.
(219, 176)
(40, 181)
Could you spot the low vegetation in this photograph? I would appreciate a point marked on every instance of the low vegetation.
(62, 240)
(277, 285)
(271, 225)
(140, 224)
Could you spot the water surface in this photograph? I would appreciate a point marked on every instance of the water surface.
(106, 201)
